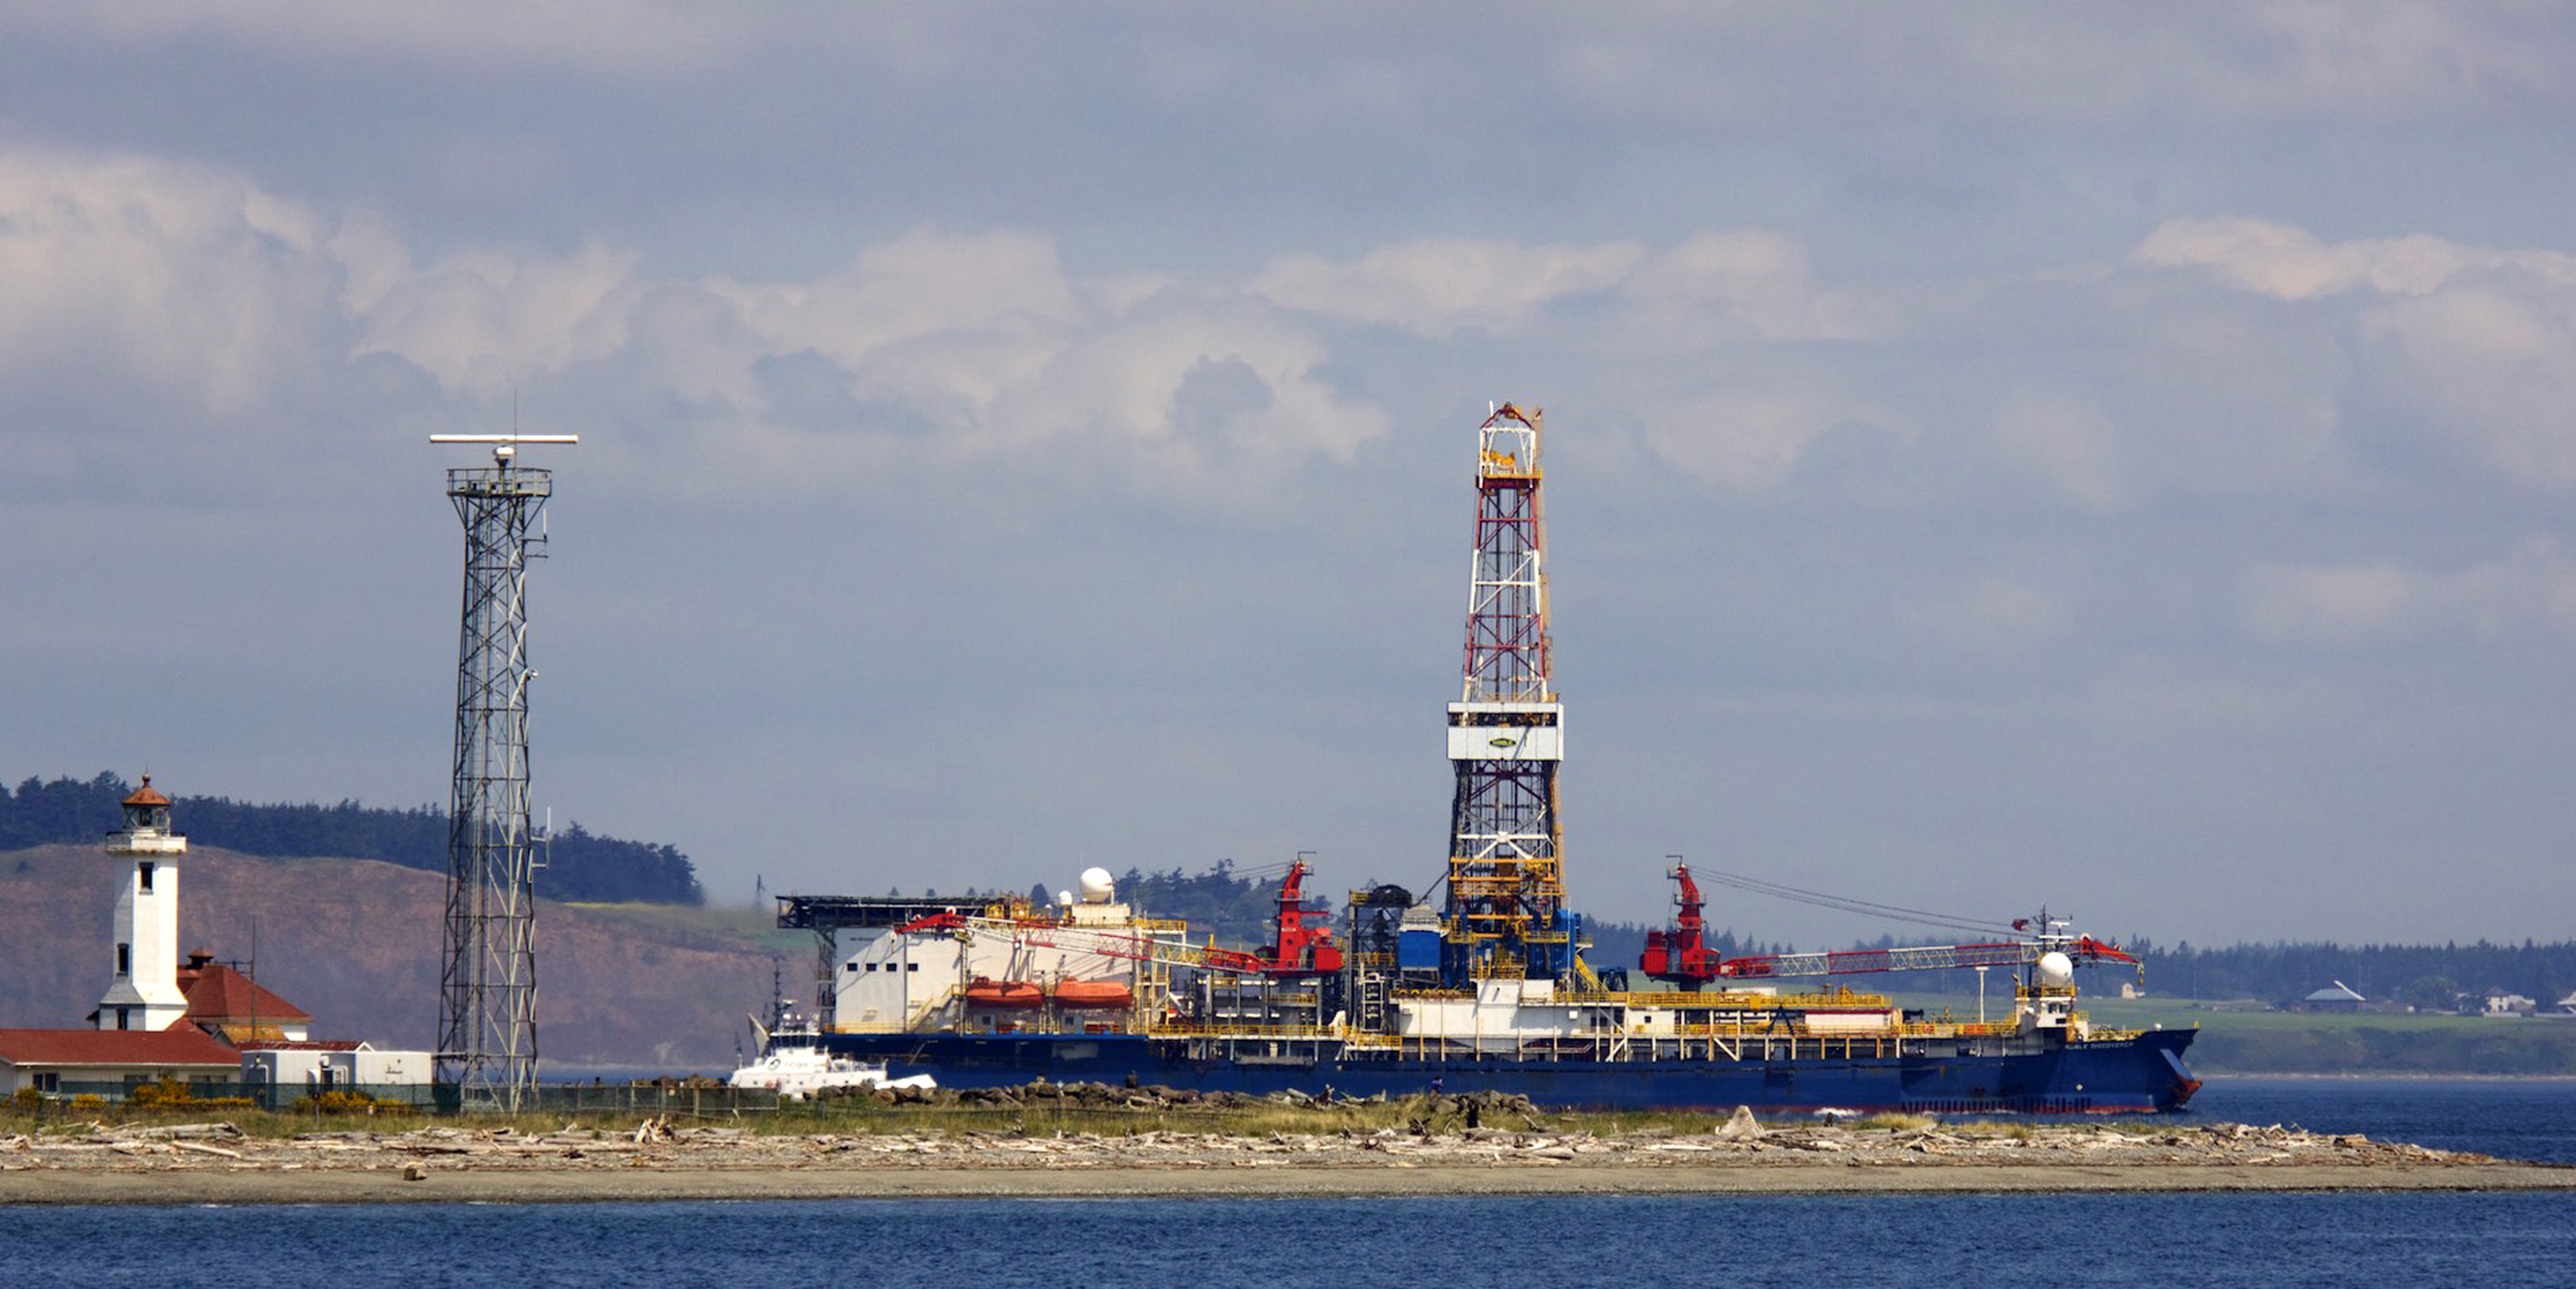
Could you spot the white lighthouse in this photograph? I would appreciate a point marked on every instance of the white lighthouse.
(144, 993)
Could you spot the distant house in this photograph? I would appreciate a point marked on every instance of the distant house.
(2338, 997)
(2565, 1006)
(2500, 1003)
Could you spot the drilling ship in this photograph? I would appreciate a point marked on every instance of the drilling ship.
(1488, 989)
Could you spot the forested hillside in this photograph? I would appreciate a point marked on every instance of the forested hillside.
(580, 865)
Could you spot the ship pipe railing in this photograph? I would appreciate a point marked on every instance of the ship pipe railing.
(1681, 1001)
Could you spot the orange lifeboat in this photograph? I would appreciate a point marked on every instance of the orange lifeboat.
(1093, 993)
(1003, 993)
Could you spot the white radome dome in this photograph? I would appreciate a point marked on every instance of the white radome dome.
(2056, 968)
(1097, 886)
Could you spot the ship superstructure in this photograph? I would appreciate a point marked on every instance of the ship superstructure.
(1488, 989)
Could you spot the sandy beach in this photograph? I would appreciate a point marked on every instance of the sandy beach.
(213, 1164)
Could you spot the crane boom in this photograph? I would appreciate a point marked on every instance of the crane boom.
(1681, 954)
(2010, 953)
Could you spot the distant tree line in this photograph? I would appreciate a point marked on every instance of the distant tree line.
(579, 864)
(2428, 977)
(1236, 909)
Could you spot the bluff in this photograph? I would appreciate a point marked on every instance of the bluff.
(356, 943)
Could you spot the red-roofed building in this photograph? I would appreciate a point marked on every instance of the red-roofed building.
(111, 1061)
(233, 1007)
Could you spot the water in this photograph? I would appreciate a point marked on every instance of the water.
(1923, 1241)
(1453, 1243)
(2529, 1119)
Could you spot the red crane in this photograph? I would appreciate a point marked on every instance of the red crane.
(1300, 945)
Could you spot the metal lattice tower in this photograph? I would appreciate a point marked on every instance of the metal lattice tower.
(1506, 908)
(487, 986)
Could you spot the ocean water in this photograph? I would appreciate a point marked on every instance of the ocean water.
(2527, 1119)
(1454, 1243)
(1931, 1242)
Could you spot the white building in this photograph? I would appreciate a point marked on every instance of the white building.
(278, 1074)
(144, 991)
(1082, 966)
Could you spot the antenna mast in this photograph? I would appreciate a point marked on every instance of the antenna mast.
(1506, 909)
(487, 986)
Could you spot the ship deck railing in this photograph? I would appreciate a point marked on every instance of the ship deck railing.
(1627, 1048)
(1960, 1028)
(1200, 1029)
(1683, 1000)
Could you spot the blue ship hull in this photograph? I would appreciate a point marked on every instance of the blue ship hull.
(2106, 1076)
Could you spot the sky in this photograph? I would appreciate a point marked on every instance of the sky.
(2109, 458)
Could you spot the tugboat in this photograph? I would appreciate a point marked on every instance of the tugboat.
(795, 1064)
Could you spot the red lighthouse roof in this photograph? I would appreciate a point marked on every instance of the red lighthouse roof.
(147, 795)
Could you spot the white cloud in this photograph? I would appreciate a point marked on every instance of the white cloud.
(990, 340)
(182, 278)
(2344, 604)
(2491, 367)
(1995, 614)
(1714, 285)
(2469, 349)
(1737, 284)
(2386, 602)
(485, 319)
(195, 282)
(1122, 381)
(2291, 263)
(922, 284)
(2069, 442)
(1437, 286)
(1745, 439)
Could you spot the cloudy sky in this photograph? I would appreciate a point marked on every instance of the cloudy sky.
(2116, 457)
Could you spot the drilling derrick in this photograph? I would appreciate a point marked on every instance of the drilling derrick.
(1506, 913)
(487, 994)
